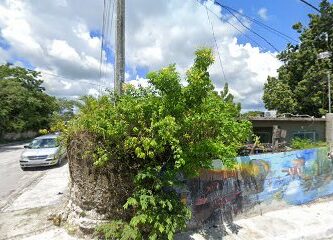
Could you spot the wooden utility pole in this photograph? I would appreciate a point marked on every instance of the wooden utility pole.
(119, 73)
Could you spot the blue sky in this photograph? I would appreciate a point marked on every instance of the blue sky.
(63, 38)
(281, 15)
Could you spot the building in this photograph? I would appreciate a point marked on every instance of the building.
(294, 127)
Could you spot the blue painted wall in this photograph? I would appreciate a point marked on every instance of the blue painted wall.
(262, 182)
(296, 177)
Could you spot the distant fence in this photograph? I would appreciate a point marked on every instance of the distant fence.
(262, 183)
(18, 136)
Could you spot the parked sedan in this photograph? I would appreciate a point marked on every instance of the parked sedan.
(42, 151)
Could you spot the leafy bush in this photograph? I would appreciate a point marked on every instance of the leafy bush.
(161, 134)
(43, 131)
(298, 143)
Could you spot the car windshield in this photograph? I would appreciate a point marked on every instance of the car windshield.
(43, 143)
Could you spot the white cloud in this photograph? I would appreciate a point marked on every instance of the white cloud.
(61, 50)
(262, 12)
(139, 81)
(82, 32)
(54, 36)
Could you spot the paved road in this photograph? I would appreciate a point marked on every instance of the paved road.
(13, 179)
(28, 197)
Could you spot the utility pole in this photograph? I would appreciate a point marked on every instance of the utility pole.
(119, 73)
(329, 92)
(327, 55)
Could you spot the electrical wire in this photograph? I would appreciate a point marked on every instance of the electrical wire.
(237, 29)
(100, 89)
(105, 36)
(217, 47)
(310, 5)
(229, 9)
(112, 18)
(267, 27)
(232, 11)
(249, 29)
(62, 77)
(109, 30)
(102, 40)
(65, 78)
(108, 19)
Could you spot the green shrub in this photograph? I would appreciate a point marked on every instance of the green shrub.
(43, 131)
(160, 134)
(298, 143)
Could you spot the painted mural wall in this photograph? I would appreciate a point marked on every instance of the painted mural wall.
(261, 183)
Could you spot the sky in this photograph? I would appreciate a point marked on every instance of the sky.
(62, 39)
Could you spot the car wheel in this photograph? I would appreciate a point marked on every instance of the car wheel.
(23, 168)
(59, 162)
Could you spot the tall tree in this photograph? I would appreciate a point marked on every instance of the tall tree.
(23, 103)
(301, 86)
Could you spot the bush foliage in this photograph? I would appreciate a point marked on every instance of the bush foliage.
(24, 105)
(161, 134)
(298, 143)
(301, 86)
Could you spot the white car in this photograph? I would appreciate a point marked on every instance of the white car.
(42, 151)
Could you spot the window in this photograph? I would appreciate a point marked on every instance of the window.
(305, 135)
(265, 137)
(265, 134)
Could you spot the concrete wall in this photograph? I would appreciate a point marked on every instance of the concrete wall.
(294, 127)
(262, 183)
(329, 128)
(18, 136)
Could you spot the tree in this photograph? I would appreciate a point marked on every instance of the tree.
(23, 103)
(279, 96)
(252, 114)
(301, 86)
(64, 113)
(153, 136)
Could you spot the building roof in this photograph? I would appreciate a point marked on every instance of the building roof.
(292, 119)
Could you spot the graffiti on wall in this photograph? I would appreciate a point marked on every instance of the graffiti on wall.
(291, 178)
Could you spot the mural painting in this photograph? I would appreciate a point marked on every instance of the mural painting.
(288, 178)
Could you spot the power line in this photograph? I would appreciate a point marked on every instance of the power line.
(217, 47)
(62, 77)
(107, 27)
(112, 19)
(267, 27)
(65, 78)
(102, 40)
(310, 5)
(269, 43)
(109, 30)
(105, 34)
(237, 29)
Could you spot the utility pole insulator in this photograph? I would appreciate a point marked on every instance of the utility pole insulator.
(119, 73)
